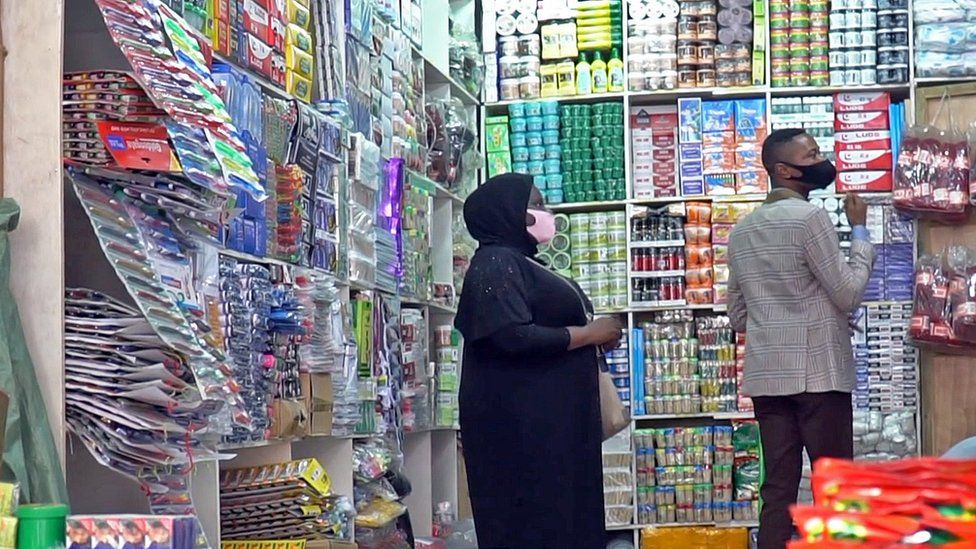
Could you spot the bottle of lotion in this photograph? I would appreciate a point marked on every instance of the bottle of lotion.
(615, 68)
(584, 78)
(599, 70)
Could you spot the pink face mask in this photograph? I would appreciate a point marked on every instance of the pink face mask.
(544, 227)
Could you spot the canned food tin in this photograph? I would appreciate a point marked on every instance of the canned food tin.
(869, 76)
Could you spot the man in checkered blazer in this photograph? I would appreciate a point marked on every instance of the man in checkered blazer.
(792, 292)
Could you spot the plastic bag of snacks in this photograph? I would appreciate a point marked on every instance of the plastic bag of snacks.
(932, 176)
(920, 487)
(817, 524)
(920, 501)
(961, 274)
(929, 308)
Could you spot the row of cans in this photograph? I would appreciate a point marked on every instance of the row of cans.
(605, 283)
(718, 512)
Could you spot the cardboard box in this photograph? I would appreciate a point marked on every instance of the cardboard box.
(256, 19)
(867, 181)
(864, 160)
(862, 101)
(289, 419)
(329, 544)
(317, 389)
(862, 141)
(256, 54)
(859, 121)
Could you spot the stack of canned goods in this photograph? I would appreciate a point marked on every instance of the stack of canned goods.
(619, 365)
(798, 40)
(592, 140)
(684, 474)
(716, 364)
(853, 43)
(671, 382)
(892, 41)
(556, 253)
(697, 37)
(689, 365)
(598, 251)
(651, 60)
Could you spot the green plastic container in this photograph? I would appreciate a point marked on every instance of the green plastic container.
(41, 526)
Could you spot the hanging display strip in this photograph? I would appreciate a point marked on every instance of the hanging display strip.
(139, 246)
(179, 80)
(133, 400)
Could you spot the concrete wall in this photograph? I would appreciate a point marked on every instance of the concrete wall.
(32, 34)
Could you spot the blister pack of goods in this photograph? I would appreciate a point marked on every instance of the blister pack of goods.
(167, 60)
(416, 409)
(101, 105)
(131, 398)
(447, 364)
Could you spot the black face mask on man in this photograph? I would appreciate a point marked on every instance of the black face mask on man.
(817, 176)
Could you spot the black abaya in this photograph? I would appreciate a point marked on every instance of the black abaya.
(530, 409)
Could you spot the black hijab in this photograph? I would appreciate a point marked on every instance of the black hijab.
(495, 213)
(495, 294)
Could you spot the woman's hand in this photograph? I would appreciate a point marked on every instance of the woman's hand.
(607, 331)
(603, 332)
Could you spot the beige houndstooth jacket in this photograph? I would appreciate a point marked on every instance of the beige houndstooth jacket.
(791, 291)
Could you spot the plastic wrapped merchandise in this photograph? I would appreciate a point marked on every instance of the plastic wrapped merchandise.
(932, 173)
(961, 274)
(694, 538)
(945, 45)
(884, 436)
(929, 311)
(451, 135)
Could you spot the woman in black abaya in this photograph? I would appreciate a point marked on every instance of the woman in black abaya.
(529, 399)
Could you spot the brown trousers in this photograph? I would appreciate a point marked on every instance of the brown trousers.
(820, 422)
